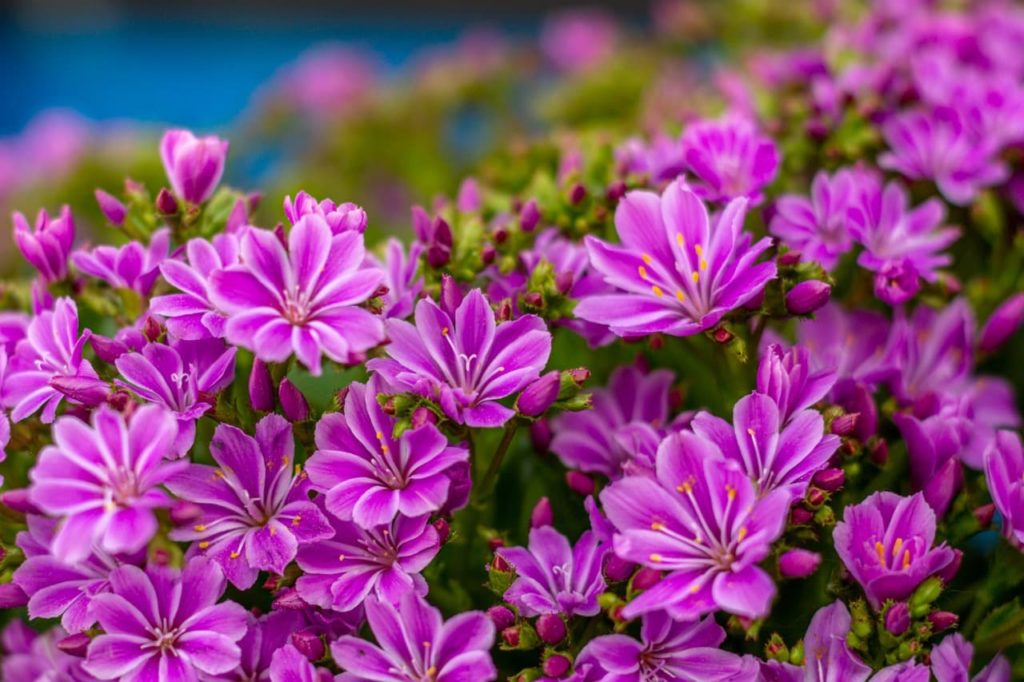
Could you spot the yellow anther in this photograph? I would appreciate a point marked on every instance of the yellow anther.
(880, 550)
(297, 520)
(695, 277)
(896, 547)
(380, 436)
(703, 264)
(273, 531)
(699, 249)
(218, 473)
(680, 240)
(341, 557)
(199, 528)
(685, 487)
(234, 555)
(657, 291)
(643, 272)
(431, 671)
(751, 432)
(730, 491)
(655, 558)
(694, 588)
(444, 331)
(204, 544)
(657, 526)
(742, 533)
(646, 259)
(680, 295)
(906, 559)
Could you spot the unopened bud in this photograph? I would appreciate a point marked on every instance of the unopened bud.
(533, 299)
(879, 452)
(166, 204)
(541, 436)
(615, 191)
(579, 483)
(488, 253)
(529, 216)
(444, 530)
(897, 618)
(798, 563)
(501, 616)
(293, 403)
(422, 416)
(17, 499)
(617, 569)
(551, 628)
(111, 207)
(845, 425)
(926, 592)
(829, 480)
(1002, 324)
(808, 296)
(451, 294)
(261, 387)
(556, 665)
(151, 329)
(539, 395)
(942, 620)
(984, 514)
(75, 645)
(564, 282)
(541, 514)
(577, 194)
(309, 644)
(800, 516)
(815, 497)
(789, 259)
(646, 578)
(290, 600)
(83, 390)
(776, 648)
(468, 199)
(504, 313)
(722, 335)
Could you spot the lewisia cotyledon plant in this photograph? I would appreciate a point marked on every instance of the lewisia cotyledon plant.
(701, 520)
(303, 298)
(676, 272)
(191, 314)
(463, 360)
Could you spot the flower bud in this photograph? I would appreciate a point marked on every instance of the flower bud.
(556, 665)
(261, 387)
(845, 425)
(533, 299)
(796, 654)
(815, 497)
(952, 568)
(488, 253)
(829, 480)
(498, 563)
(942, 620)
(615, 191)
(12, 596)
(422, 416)
(879, 452)
(75, 645)
(500, 234)
(17, 499)
(577, 194)
(984, 514)
(107, 349)
(289, 599)
(572, 381)
(444, 531)
(722, 335)
(541, 436)
(646, 578)
(541, 514)
(510, 636)
(529, 216)
(799, 563)
(309, 644)
(1002, 324)
(194, 165)
(165, 202)
(504, 313)
(564, 282)
(940, 489)
(926, 592)
(184, 512)
(800, 516)
(617, 569)
(789, 259)
(897, 283)
(897, 618)
(238, 217)
(501, 616)
(551, 628)
(579, 483)
(83, 390)
(111, 207)
(468, 199)
(47, 244)
(539, 395)
(293, 403)
(806, 297)
(776, 648)
(451, 294)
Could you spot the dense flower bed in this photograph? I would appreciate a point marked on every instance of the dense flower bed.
(709, 401)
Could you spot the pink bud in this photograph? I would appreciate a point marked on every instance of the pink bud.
(184, 512)
(510, 636)
(261, 387)
(564, 282)
(290, 600)
(942, 620)
(529, 216)
(17, 499)
(845, 425)
(615, 191)
(501, 617)
(444, 531)
(12, 596)
(1002, 324)
(577, 194)
(309, 644)
(798, 563)
(111, 207)
(541, 514)
(194, 165)
(897, 618)
(108, 350)
(539, 395)
(799, 516)
(806, 297)
(165, 202)
(551, 628)
(789, 259)
(579, 482)
(556, 665)
(984, 514)
(646, 578)
(829, 480)
(488, 253)
(151, 329)
(293, 403)
(451, 294)
(468, 199)
(83, 390)
(534, 299)
(617, 569)
(422, 416)
(75, 645)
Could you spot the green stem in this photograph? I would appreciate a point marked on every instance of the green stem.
(485, 487)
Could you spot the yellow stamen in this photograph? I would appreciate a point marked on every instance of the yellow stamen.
(695, 277)
(643, 272)
(703, 264)
(680, 295)
(685, 487)
(657, 526)
(896, 547)
(297, 520)
(341, 557)
(204, 544)
(880, 550)
(694, 588)
(655, 558)
(680, 240)
(199, 528)
(730, 491)
(234, 555)
(657, 291)
(751, 433)
(906, 559)
(743, 533)
(444, 331)
(646, 259)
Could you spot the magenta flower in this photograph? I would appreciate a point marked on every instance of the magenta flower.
(1004, 471)
(886, 544)
(730, 158)
(937, 144)
(52, 348)
(132, 266)
(897, 240)
(400, 270)
(302, 299)
(368, 475)
(952, 658)
(817, 226)
(263, 638)
(162, 624)
(347, 217)
(255, 508)
(57, 589)
(191, 314)
(31, 656)
(674, 272)
(339, 573)
(552, 577)
(579, 39)
(788, 378)
(47, 245)
(288, 664)
(103, 480)
(702, 521)
(851, 343)
(620, 435)
(194, 165)
(463, 360)
(934, 445)
(775, 454)
(182, 377)
(667, 650)
(415, 644)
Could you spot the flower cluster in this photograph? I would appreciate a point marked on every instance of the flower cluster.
(709, 404)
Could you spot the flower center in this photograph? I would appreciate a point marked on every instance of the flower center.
(295, 307)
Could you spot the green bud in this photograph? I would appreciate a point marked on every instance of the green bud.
(861, 622)
(853, 641)
(926, 593)
(796, 654)
(776, 649)
(825, 517)
(608, 600)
